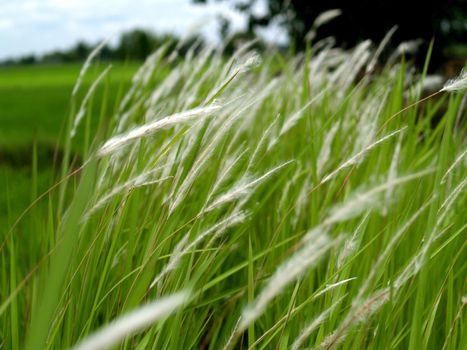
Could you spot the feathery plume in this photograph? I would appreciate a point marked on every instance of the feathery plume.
(352, 244)
(175, 258)
(294, 118)
(287, 272)
(202, 159)
(119, 141)
(334, 285)
(453, 165)
(182, 248)
(326, 16)
(252, 60)
(360, 202)
(322, 18)
(313, 325)
(302, 200)
(141, 180)
(406, 47)
(358, 314)
(451, 198)
(325, 151)
(133, 322)
(366, 129)
(87, 64)
(457, 84)
(370, 67)
(261, 142)
(389, 248)
(355, 158)
(243, 188)
(90, 92)
(200, 163)
(225, 172)
(391, 177)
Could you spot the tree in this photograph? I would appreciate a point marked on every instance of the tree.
(445, 20)
(135, 44)
(81, 51)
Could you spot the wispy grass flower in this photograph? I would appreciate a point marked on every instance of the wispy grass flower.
(87, 64)
(362, 201)
(357, 315)
(183, 248)
(358, 156)
(82, 110)
(392, 176)
(119, 141)
(287, 272)
(313, 325)
(135, 321)
(458, 84)
(458, 161)
(325, 151)
(242, 189)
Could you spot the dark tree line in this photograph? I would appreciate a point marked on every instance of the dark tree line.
(135, 44)
(443, 20)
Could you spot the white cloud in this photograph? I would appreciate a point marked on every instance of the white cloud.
(6, 24)
(36, 26)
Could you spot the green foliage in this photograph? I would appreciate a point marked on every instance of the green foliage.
(443, 21)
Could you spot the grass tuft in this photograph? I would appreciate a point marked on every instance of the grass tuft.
(305, 202)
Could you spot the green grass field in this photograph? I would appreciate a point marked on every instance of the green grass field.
(34, 105)
(35, 100)
(243, 203)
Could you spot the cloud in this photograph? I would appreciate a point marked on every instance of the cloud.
(37, 26)
(41, 25)
(6, 23)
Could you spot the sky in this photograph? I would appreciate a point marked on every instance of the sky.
(38, 26)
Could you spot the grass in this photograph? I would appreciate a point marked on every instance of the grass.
(34, 103)
(34, 100)
(238, 204)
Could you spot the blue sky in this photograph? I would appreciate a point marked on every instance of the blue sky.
(36, 26)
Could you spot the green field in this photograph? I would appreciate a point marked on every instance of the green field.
(35, 102)
(244, 202)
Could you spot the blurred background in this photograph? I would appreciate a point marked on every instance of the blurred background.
(54, 31)
(43, 44)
